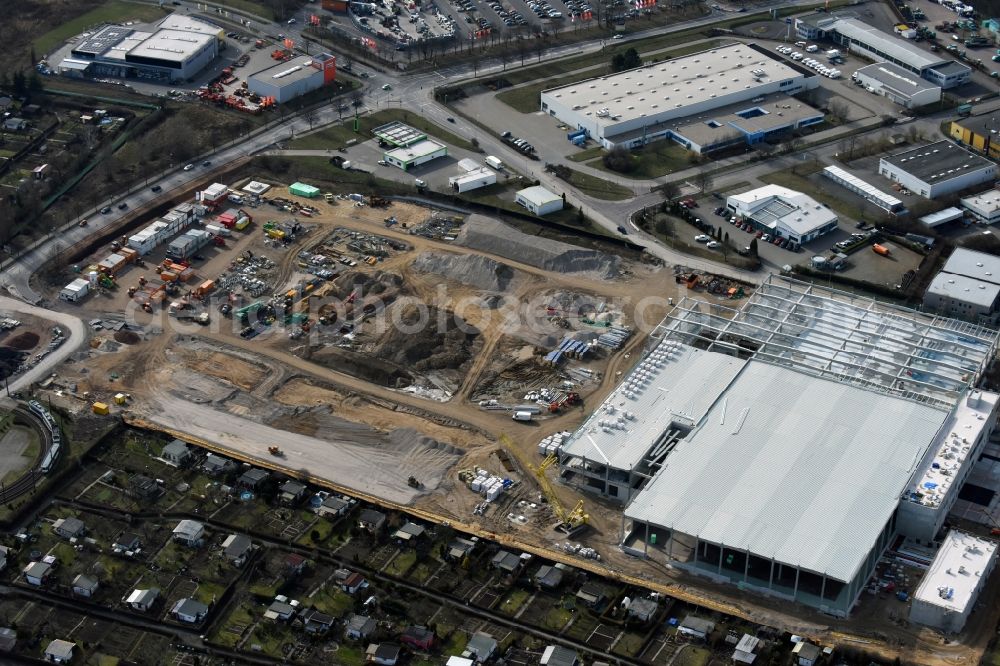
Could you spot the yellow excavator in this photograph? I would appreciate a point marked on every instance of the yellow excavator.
(570, 522)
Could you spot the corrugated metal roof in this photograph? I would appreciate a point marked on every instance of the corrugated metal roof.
(673, 383)
(892, 46)
(790, 466)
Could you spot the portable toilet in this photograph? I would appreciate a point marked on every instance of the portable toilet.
(101, 409)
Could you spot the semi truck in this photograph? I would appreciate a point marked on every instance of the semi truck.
(494, 162)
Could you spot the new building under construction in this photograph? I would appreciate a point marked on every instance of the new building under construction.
(784, 445)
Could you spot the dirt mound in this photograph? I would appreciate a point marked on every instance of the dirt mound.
(472, 270)
(127, 337)
(368, 283)
(24, 341)
(489, 235)
(428, 346)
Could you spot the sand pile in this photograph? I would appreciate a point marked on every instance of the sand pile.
(472, 270)
(489, 235)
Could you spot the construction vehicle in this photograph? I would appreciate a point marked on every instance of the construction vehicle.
(570, 399)
(275, 451)
(570, 522)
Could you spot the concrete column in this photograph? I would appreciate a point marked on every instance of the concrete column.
(822, 589)
(795, 590)
(770, 579)
(697, 547)
(670, 546)
(722, 553)
(746, 566)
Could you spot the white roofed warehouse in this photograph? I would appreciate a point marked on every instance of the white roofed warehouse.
(783, 212)
(948, 591)
(539, 200)
(783, 446)
(176, 49)
(968, 287)
(716, 98)
(902, 86)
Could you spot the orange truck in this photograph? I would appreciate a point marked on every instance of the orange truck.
(881, 249)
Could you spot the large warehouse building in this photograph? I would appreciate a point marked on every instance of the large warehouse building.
(786, 213)
(783, 446)
(177, 49)
(288, 80)
(900, 85)
(705, 101)
(979, 133)
(937, 169)
(870, 42)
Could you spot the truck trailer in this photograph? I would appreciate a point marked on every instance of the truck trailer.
(188, 244)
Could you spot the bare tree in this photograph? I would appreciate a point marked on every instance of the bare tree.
(703, 179)
(311, 116)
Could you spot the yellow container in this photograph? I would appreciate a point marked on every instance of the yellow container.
(119, 398)
(101, 408)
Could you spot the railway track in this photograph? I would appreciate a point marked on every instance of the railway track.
(27, 481)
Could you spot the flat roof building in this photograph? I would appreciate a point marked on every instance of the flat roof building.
(948, 591)
(176, 49)
(784, 212)
(635, 107)
(902, 86)
(968, 287)
(539, 200)
(937, 169)
(984, 206)
(980, 134)
(860, 37)
(784, 445)
(415, 154)
(298, 76)
(863, 189)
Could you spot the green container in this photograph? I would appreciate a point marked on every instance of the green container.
(652, 539)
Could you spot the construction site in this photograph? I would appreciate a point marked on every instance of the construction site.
(424, 360)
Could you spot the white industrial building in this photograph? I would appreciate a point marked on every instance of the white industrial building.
(984, 206)
(948, 591)
(937, 169)
(473, 180)
(968, 287)
(783, 212)
(539, 200)
(175, 50)
(870, 42)
(950, 214)
(783, 446)
(863, 189)
(724, 92)
(298, 76)
(415, 154)
(75, 290)
(902, 86)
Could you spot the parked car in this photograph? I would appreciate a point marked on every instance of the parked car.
(713, 245)
(105, 210)
(188, 167)
(156, 188)
(702, 238)
(122, 206)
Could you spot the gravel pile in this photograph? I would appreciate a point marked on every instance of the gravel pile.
(472, 270)
(489, 235)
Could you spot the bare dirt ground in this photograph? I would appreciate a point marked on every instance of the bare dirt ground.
(334, 421)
